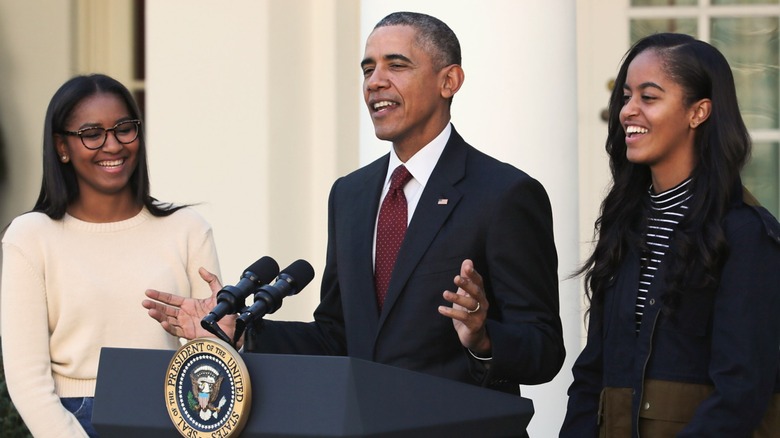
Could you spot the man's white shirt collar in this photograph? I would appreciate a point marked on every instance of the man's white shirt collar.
(421, 167)
(422, 163)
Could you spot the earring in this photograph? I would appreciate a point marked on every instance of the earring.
(64, 158)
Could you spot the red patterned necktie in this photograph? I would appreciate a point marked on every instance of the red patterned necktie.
(390, 231)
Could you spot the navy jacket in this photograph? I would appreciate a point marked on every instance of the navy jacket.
(728, 338)
(472, 207)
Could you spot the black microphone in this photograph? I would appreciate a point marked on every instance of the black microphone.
(231, 298)
(268, 299)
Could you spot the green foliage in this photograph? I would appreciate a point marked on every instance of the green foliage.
(192, 402)
(11, 425)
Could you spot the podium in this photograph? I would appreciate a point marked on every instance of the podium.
(311, 396)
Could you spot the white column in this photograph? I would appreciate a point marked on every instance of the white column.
(518, 104)
(248, 115)
(207, 120)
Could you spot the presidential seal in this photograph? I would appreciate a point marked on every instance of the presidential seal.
(207, 390)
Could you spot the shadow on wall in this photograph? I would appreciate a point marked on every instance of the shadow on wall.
(11, 425)
(10, 422)
(3, 168)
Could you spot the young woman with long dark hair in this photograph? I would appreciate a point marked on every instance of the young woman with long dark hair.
(684, 281)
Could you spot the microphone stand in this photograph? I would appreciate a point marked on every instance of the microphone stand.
(214, 328)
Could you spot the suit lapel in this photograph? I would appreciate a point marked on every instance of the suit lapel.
(429, 216)
(358, 264)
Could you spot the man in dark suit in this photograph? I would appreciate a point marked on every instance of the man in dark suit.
(466, 213)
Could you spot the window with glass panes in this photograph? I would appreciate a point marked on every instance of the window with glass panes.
(746, 32)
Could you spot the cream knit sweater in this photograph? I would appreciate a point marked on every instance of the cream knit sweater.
(70, 287)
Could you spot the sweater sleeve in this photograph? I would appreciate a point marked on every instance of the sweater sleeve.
(26, 357)
(202, 253)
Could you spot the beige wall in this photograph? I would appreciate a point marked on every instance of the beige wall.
(36, 54)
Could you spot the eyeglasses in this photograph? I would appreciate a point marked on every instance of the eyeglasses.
(94, 138)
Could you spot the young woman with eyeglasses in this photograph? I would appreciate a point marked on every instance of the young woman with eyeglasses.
(75, 268)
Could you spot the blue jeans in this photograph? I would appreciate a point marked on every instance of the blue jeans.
(81, 408)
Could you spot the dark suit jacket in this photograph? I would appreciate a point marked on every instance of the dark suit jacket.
(473, 206)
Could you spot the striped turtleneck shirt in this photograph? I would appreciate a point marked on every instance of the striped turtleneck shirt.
(666, 211)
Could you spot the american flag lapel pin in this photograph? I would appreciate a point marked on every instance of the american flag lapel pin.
(442, 201)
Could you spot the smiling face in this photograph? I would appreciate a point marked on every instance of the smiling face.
(407, 98)
(107, 170)
(659, 125)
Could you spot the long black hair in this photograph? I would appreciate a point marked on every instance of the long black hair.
(721, 148)
(59, 186)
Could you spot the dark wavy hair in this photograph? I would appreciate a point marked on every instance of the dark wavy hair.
(59, 186)
(721, 148)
